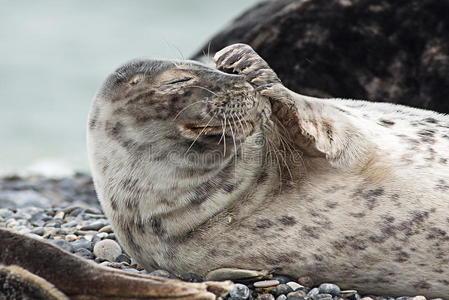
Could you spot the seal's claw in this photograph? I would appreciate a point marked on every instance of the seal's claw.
(243, 60)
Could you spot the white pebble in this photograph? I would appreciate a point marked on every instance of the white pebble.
(107, 228)
(294, 286)
(71, 237)
(107, 249)
(102, 235)
(59, 215)
(419, 298)
(266, 283)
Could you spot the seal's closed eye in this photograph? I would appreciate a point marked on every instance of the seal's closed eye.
(180, 80)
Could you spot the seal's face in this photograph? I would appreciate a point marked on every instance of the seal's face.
(180, 105)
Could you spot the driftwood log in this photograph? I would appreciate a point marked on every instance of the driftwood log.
(34, 269)
(379, 50)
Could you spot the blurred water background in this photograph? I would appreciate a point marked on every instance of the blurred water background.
(54, 54)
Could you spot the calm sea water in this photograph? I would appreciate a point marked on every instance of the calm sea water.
(54, 54)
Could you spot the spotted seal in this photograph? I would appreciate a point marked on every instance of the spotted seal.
(203, 169)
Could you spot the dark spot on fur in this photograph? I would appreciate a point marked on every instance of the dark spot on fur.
(422, 285)
(264, 224)
(369, 195)
(331, 204)
(334, 188)
(262, 177)
(443, 161)
(357, 215)
(430, 120)
(402, 256)
(311, 231)
(437, 233)
(329, 130)
(156, 225)
(442, 185)
(114, 202)
(287, 220)
(229, 187)
(386, 123)
(92, 123)
(115, 130)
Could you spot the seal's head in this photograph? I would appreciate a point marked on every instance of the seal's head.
(183, 105)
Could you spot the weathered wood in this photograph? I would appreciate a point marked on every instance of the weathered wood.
(379, 50)
(47, 266)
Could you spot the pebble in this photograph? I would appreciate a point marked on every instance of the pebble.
(240, 291)
(281, 289)
(266, 283)
(123, 258)
(71, 238)
(163, 273)
(5, 213)
(63, 244)
(313, 292)
(322, 297)
(93, 226)
(83, 252)
(107, 229)
(59, 215)
(369, 298)
(347, 293)
(419, 298)
(298, 295)
(82, 243)
(282, 278)
(329, 288)
(107, 249)
(281, 297)
(265, 297)
(102, 235)
(70, 224)
(191, 277)
(294, 286)
(38, 230)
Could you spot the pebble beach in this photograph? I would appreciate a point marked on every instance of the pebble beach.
(66, 213)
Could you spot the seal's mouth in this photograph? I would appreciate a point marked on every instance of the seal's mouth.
(235, 128)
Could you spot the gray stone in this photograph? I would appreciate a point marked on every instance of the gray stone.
(82, 243)
(123, 258)
(84, 253)
(5, 213)
(240, 291)
(265, 297)
(281, 289)
(63, 244)
(107, 249)
(329, 288)
(94, 226)
(38, 230)
(313, 292)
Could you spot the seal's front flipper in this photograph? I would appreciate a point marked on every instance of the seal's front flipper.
(235, 274)
(314, 126)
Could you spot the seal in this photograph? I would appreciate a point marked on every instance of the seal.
(207, 170)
